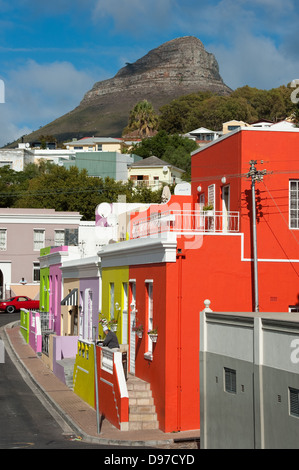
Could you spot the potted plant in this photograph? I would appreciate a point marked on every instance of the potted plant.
(138, 330)
(153, 334)
(103, 321)
(112, 324)
(209, 209)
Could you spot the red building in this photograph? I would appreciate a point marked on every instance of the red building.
(211, 256)
(221, 170)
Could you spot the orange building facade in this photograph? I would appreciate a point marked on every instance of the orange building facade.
(210, 256)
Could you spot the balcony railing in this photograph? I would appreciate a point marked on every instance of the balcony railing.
(184, 222)
(149, 184)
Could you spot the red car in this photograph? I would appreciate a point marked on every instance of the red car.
(16, 303)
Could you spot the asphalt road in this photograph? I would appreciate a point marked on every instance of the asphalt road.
(25, 421)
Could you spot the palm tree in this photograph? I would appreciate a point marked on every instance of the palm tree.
(143, 119)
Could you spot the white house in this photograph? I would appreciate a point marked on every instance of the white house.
(153, 172)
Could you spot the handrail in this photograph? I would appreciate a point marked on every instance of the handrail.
(186, 221)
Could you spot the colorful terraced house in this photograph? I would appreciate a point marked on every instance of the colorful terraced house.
(161, 263)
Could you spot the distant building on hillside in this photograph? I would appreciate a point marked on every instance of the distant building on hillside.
(154, 172)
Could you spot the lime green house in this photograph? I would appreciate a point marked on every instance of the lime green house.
(115, 282)
(44, 283)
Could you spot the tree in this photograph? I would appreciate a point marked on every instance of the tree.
(174, 149)
(273, 105)
(143, 119)
(54, 187)
(175, 116)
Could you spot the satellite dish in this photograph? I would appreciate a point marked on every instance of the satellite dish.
(104, 209)
(166, 195)
(165, 169)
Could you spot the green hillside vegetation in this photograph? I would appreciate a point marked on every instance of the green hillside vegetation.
(211, 111)
(202, 109)
(51, 186)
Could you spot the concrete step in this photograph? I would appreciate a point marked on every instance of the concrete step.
(142, 400)
(143, 425)
(142, 411)
(140, 393)
(137, 385)
(68, 367)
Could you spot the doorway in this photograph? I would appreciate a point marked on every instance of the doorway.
(132, 324)
(225, 208)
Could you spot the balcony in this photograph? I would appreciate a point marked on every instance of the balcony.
(154, 184)
(186, 222)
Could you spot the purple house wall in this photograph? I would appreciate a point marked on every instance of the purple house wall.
(55, 298)
(92, 320)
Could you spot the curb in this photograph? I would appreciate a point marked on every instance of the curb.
(75, 428)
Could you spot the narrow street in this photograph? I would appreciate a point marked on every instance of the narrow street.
(27, 423)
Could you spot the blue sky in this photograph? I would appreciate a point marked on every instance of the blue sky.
(51, 53)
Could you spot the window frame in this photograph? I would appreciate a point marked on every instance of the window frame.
(149, 292)
(230, 380)
(36, 270)
(43, 231)
(295, 391)
(3, 231)
(296, 191)
(56, 241)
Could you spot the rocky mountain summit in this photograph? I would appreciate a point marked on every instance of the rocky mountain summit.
(177, 67)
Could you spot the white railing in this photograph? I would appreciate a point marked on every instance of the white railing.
(186, 222)
(149, 184)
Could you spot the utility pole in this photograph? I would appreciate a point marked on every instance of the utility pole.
(256, 176)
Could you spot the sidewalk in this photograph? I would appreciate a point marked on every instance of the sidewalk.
(82, 418)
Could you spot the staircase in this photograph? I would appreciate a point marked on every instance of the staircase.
(142, 411)
(68, 366)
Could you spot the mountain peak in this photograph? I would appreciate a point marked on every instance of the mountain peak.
(176, 68)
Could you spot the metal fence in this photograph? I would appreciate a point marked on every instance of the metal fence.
(186, 222)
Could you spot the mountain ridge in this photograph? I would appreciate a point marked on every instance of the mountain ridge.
(178, 67)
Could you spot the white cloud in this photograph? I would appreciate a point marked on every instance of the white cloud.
(254, 61)
(136, 17)
(36, 94)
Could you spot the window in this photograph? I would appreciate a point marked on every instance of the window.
(211, 195)
(36, 272)
(111, 299)
(3, 239)
(7, 163)
(38, 239)
(294, 204)
(59, 238)
(150, 325)
(294, 401)
(230, 382)
(125, 313)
